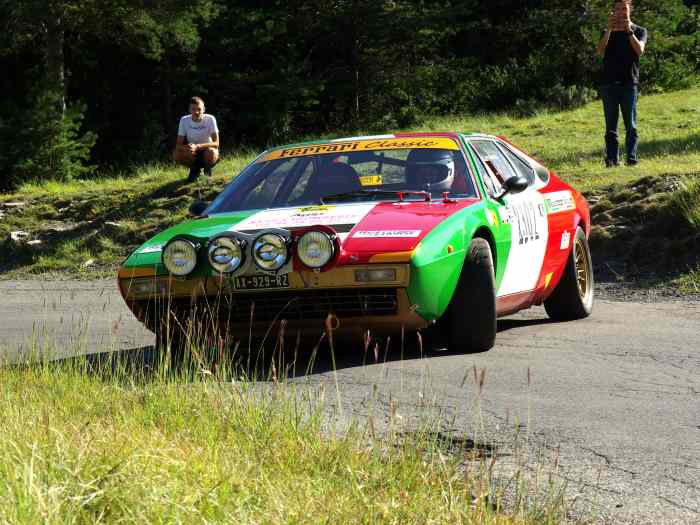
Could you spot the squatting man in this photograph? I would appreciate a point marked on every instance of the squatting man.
(197, 141)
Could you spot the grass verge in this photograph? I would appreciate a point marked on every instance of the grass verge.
(687, 202)
(648, 229)
(83, 443)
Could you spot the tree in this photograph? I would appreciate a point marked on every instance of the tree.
(279, 70)
(56, 36)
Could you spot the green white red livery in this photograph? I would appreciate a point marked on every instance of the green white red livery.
(385, 233)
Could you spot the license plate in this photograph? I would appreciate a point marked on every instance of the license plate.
(260, 282)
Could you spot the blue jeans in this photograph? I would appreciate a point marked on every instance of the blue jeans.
(620, 98)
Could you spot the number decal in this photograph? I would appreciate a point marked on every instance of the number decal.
(527, 220)
(528, 242)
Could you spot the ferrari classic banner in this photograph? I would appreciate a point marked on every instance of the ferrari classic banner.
(363, 145)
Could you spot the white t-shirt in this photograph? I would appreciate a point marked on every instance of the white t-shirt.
(197, 132)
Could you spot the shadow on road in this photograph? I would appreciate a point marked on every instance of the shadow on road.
(302, 359)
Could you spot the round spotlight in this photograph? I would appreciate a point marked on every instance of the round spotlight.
(270, 251)
(225, 254)
(180, 257)
(315, 249)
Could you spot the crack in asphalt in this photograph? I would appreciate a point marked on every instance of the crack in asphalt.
(683, 482)
(679, 505)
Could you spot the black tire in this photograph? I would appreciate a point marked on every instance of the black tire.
(471, 315)
(573, 296)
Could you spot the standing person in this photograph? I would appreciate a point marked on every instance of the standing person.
(197, 140)
(621, 46)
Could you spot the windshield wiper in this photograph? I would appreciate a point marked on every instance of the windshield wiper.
(400, 194)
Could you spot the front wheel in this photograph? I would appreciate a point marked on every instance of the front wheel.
(472, 312)
(573, 296)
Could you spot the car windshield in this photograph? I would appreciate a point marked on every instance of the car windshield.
(275, 181)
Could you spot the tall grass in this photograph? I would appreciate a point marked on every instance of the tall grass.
(686, 201)
(109, 439)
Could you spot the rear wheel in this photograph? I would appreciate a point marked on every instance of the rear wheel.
(471, 315)
(573, 296)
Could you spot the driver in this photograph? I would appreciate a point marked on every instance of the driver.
(430, 169)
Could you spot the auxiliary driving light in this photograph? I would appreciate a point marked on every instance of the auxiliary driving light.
(270, 251)
(180, 257)
(315, 249)
(225, 254)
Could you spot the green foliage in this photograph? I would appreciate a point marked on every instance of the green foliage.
(273, 71)
(49, 145)
(686, 202)
(153, 197)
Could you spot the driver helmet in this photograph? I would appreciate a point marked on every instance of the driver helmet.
(430, 169)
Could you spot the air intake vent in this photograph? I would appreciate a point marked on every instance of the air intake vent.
(312, 304)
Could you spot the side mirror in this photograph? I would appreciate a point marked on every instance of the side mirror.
(514, 185)
(197, 208)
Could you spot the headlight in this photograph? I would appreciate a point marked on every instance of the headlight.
(270, 251)
(180, 257)
(225, 254)
(315, 249)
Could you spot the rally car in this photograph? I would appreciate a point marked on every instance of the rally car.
(386, 234)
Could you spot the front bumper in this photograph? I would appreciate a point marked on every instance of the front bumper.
(312, 300)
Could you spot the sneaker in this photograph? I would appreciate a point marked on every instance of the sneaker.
(207, 171)
(194, 173)
(611, 163)
(632, 162)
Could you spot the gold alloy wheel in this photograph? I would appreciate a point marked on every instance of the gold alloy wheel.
(583, 273)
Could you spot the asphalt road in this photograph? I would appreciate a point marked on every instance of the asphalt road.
(613, 401)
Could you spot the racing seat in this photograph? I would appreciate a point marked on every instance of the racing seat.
(336, 177)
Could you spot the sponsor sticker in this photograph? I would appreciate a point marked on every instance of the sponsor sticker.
(559, 201)
(315, 209)
(548, 280)
(362, 145)
(371, 180)
(504, 214)
(155, 248)
(385, 234)
(305, 216)
(492, 218)
(565, 240)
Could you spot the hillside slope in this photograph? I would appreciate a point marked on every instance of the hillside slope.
(86, 228)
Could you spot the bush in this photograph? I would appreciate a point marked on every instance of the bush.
(686, 202)
(44, 144)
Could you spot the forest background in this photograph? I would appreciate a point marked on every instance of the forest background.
(94, 87)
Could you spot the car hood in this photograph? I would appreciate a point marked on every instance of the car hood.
(364, 229)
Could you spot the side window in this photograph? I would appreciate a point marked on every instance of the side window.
(494, 159)
(493, 186)
(523, 168)
(542, 173)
